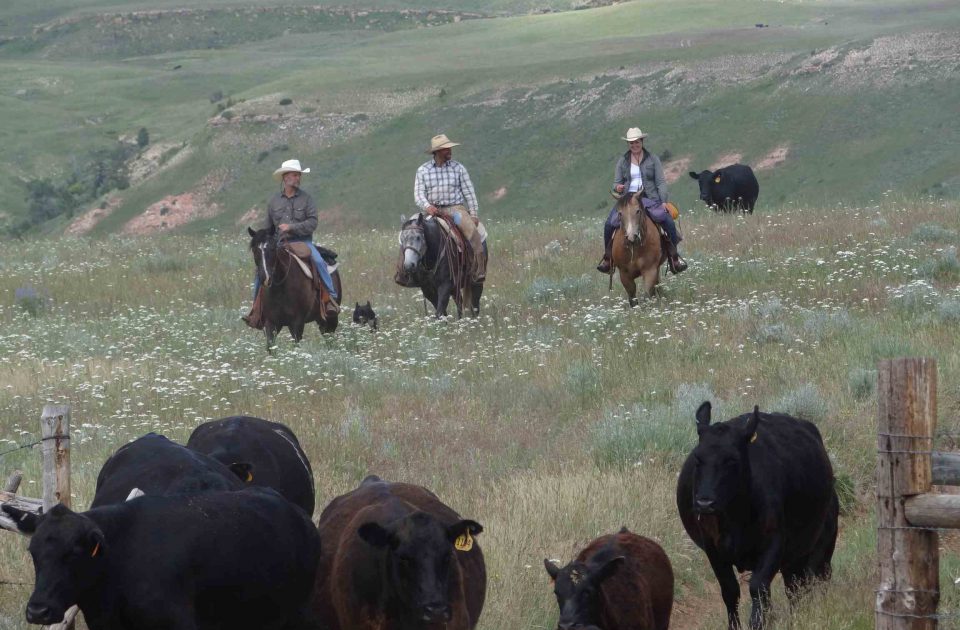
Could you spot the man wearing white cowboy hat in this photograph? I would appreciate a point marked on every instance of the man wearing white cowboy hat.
(294, 215)
(442, 186)
(638, 170)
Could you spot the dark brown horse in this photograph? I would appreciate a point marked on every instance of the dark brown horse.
(637, 251)
(289, 298)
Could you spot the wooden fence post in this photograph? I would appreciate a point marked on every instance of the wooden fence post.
(55, 446)
(909, 560)
(13, 482)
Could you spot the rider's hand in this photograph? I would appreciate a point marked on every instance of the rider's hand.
(619, 188)
(284, 227)
(432, 210)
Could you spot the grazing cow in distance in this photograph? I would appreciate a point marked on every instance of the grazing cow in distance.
(158, 466)
(268, 452)
(729, 189)
(619, 581)
(244, 560)
(757, 494)
(395, 557)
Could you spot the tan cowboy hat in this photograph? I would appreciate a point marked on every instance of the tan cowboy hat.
(634, 133)
(290, 166)
(441, 142)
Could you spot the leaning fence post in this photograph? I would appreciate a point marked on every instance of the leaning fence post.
(909, 589)
(13, 482)
(55, 446)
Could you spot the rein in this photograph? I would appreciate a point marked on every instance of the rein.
(263, 263)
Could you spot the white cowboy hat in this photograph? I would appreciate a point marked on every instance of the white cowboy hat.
(441, 142)
(290, 166)
(634, 133)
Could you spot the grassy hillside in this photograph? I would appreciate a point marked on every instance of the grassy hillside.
(859, 96)
(556, 416)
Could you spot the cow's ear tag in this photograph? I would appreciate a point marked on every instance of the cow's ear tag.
(96, 550)
(464, 542)
(716, 179)
(754, 438)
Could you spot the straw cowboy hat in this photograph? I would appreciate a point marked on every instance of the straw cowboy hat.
(441, 142)
(634, 133)
(290, 166)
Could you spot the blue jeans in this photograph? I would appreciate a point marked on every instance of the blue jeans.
(613, 222)
(318, 262)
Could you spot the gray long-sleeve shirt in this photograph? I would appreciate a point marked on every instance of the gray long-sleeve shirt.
(298, 211)
(651, 170)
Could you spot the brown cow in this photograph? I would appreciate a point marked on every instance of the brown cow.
(619, 582)
(394, 556)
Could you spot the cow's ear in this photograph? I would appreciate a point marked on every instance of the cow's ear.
(243, 471)
(461, 534)
(376, 535)
(750, 431)
(607, 569)
(26, 521)
(695, 176)
(250, 231)
(552, 569)
(703, 417)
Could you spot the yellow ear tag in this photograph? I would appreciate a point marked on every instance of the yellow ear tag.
(716, 180)
(464, 542)
(96, 549)
(753, 439)
(249, 476)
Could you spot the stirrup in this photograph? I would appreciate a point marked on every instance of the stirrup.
(605, 265)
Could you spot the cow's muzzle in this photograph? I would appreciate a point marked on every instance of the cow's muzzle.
(437, 613)
(704, 506)
(43, 614)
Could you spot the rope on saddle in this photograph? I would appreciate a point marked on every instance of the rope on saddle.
(456, 259)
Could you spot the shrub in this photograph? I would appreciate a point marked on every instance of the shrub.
(804, 402)
(846, 492)
(918, 295)
(820, 324)
(772, 333)
(933, 233)
(216, 96)
(583, 379)
(227, 115)
(948, 311)
(143, 137)
(943, 267)
(862, 383)
(547, 289)
(33, 302)
(286, 101)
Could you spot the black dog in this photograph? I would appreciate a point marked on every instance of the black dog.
(364, 315)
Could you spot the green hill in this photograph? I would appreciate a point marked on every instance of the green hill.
(836, 100)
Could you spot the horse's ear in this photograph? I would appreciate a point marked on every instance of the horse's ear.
(403, 219)
(250, 231)
(368, 304)
(273, 230)
(357, 305)
(420, 219)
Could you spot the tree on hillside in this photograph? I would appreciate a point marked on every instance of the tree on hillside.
(143, 137)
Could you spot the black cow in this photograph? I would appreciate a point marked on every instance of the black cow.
(269, 452)
(158, 466)
(619, 581)
(394, 556)
(243, 560)
(729, 189)
(757, 494)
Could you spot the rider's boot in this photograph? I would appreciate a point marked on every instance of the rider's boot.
(677, 264)
(604, 266)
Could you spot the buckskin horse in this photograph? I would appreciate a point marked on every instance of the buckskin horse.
(429, 259)
(289, 297)
(637, 251)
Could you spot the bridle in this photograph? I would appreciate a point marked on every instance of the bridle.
(278, 247)
(420, 251)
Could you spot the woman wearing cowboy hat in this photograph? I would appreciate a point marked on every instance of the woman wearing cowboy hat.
(292, 211)
(638, 170)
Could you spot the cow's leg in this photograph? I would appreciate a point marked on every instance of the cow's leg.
(729, 590)
(630, 284)
(760, 580)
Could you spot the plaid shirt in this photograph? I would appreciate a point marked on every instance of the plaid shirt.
(447, 185)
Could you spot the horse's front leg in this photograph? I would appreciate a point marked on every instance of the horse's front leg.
(630, 284)
(270, 331)
(296, 330)
(444, 291)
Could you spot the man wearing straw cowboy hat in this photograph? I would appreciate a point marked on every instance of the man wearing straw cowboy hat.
(293, 213)
(638, 170)
(442, 186)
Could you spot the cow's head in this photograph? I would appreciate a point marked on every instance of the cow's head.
(577, 587)
(419, 554)
(721, 466)
(706, 179)
(68, 552)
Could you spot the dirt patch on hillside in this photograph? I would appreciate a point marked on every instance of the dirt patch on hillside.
(726, 160)
(174, 211)
(773, 159)
(499, 193)
(252, 217)
(155, 158)
(672, 171)
(89, 219)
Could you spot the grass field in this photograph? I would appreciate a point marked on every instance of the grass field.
(859, 95)
(556, 416)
